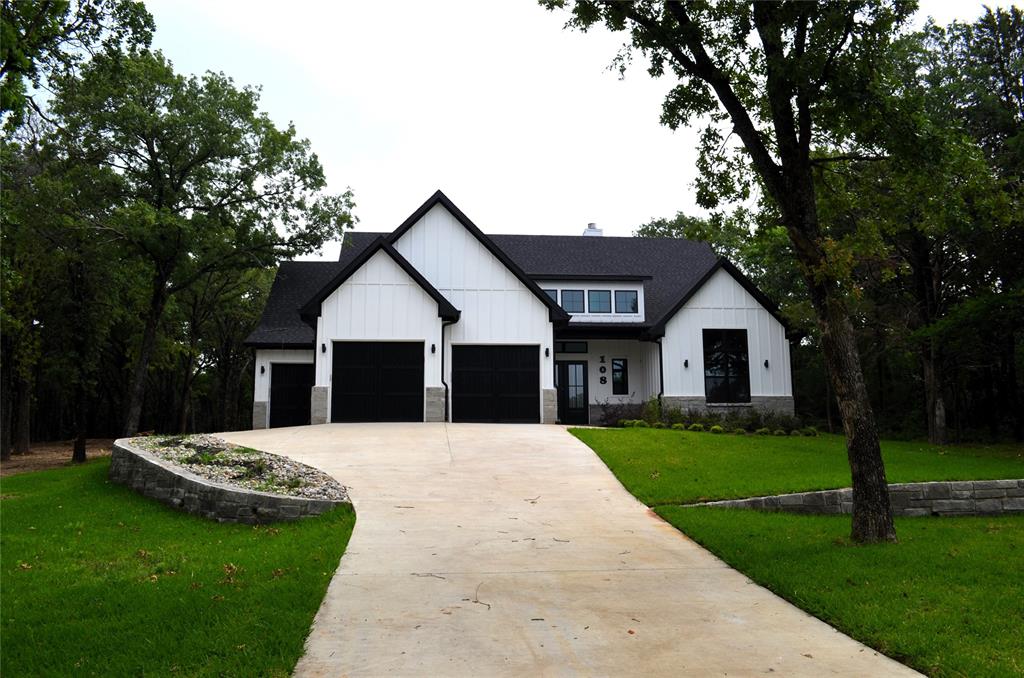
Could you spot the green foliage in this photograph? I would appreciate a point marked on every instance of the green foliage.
(740, 431)
(658, 424)
(143, 588)
(779, 432)
(716, 429)
(695, 427)
(764, 431)
(679, 427)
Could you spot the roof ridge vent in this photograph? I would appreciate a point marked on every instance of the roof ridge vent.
(593, 230)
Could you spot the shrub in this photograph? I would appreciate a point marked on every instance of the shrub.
(740, 431)
(611, 414)
(679, 427)
(763, 431)
(695, 427)
(658, 424)
(651, 410)
(780, 432)
(717, 429)
(796, 433)
(640, 423)
(809, 431)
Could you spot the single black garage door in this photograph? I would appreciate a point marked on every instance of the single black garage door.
(496, 384)
(377, 381)
(290, 388)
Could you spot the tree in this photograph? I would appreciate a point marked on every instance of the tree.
(790, 80)
(198, 180)
(41, 37)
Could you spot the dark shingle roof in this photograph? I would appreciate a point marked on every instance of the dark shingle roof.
(670, 269)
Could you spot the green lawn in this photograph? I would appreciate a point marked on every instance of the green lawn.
(100, 581)
(948, 599)
(673, 467)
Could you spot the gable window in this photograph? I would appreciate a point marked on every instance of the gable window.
(570, 347)
(726, 366)
(620, 376)
(600, 301)
(626, 301)
(553, 294)
(572, 301)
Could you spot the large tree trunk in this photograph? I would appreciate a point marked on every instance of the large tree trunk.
(81, 424)
(872, 512)
(137, 391)
(22, 416)
(935, 404)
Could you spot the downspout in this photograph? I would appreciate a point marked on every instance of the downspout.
(443, 382)
(661, 373)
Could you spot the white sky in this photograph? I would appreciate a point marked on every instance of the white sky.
(518, 121)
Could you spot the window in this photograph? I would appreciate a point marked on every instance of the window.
(620, 377)
(600, 301)
(570, 347)
(553, 294)
(626, 301)
(726, 366)
(572, 301)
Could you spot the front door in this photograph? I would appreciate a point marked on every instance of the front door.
(571, 384)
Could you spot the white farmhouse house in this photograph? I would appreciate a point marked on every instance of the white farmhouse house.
(437, 321)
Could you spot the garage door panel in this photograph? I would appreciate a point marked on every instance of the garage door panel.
(290, 387)
(496, 384)
(377, 381)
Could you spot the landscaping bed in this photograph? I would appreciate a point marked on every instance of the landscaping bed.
(98, 580)
(219, 461)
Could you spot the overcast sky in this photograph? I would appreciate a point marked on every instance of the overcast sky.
(518, 121)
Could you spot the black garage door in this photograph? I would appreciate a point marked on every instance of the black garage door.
(377, 381)
(290, 388)
(496, 384)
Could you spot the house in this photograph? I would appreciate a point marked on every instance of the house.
(437, 321)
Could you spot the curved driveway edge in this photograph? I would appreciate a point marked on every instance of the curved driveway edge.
(494, 550)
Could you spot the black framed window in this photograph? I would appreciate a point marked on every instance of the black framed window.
(570, 347)
(572, 301)
(553, 294)
(620, 376)
(726, 366)
(626, 301)
(600, 301)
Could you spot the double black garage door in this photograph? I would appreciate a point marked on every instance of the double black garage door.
(383, 381)
(496, 384)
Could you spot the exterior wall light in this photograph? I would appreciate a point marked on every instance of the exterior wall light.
(766, 364)
(263, 369)
(323, 348)
(686, 363)
(433, 348)
(547, 352)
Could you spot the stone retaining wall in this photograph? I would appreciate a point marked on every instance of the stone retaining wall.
(155, 478)
(947, 498)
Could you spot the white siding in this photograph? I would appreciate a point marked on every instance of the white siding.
(497, 308)
(722, 303)
(264, 358)
(652, 368)
(379, 302)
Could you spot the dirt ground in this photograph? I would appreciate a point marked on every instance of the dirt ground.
(52, 455)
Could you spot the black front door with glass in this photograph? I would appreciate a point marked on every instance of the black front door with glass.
(571, 386)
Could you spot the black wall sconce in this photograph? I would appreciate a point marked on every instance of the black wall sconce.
(263, 369)
(766, 364)
(323, 348)
(547, 352)
(433, 348)
(686, 363)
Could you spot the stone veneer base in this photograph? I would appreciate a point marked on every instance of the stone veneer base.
(154, 478)
(777, 404)
(945, 498)
(259, 414)
(318, 405)
(549, 406)
(435, 396)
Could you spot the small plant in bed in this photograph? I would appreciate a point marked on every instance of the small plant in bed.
(220, 461)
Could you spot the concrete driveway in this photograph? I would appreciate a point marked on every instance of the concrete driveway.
(492, 550)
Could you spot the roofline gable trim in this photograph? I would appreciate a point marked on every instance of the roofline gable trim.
(556, 313)
(310, 311)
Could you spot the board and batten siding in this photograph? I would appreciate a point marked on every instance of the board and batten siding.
(265, 357)
(638, 371)
(722, 303)
(497, 308)
(379, 302)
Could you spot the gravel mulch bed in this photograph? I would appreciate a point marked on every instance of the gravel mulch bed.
(222, 462)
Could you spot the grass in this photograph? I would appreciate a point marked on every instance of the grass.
(663, 467)
(100, 581)
(947, 600)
